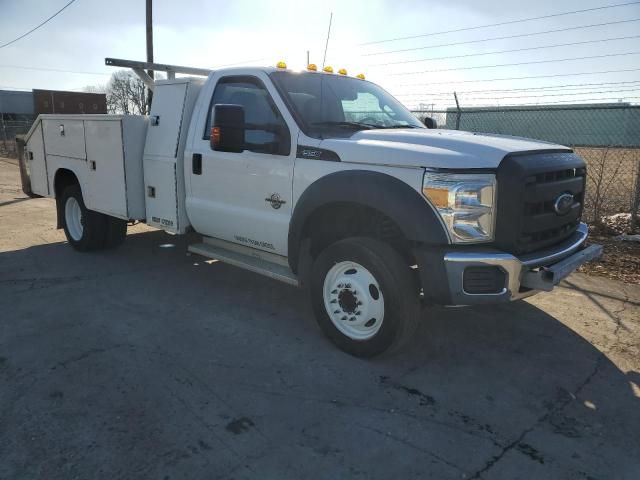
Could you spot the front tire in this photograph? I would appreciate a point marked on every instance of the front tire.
(364, 296)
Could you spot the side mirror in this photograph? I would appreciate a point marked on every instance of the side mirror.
(430, 122)
(228, 127)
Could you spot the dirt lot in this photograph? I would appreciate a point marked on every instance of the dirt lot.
(146, 362)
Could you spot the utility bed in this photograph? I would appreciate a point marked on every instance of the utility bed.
(103, 151)
(129, 167)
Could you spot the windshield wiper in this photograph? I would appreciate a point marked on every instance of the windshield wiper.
(400, 126)
(356, 125)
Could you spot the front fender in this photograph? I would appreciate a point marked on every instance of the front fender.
(412, 213)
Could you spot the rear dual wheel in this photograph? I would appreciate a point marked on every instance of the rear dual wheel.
(364, 296)
(85, 229)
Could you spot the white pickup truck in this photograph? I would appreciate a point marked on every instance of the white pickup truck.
(322, 180)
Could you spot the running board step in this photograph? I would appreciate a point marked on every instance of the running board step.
(251, 262)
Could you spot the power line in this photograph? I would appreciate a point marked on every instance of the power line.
(510, 22)
(552, 87)
(559, 102)
(428, 95)
(506, 51)
(583, 100)
(20, 67)
(549, 88)
(499, 65)
(514, 90)
(506, 37)
(38, 26)
(449, 82)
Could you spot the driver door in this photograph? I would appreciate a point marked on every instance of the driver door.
(245, 197)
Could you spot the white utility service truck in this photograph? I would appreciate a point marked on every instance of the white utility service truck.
(322, 180)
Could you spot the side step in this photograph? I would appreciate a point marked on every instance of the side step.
(268, 264)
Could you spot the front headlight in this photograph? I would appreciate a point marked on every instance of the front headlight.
(465, 202)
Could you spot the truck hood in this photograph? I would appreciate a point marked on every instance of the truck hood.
(452, 149)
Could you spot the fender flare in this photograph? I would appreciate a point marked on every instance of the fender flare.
(412, 213)
(56, 195)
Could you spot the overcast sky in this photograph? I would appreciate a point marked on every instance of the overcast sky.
(212, 33)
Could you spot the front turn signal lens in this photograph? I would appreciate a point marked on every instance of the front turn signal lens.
(439, 196)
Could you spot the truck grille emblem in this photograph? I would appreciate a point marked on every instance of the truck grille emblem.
(563, 204)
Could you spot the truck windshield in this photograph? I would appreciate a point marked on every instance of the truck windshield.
(338, 106)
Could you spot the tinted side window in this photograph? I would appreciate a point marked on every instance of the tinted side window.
(266, 130)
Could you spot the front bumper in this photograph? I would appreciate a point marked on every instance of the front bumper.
(521, 276)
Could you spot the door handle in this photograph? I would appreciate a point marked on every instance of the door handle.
(196, 164)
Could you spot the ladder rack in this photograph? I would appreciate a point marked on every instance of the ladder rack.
(140, 67)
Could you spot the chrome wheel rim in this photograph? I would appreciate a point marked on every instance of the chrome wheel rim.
(73, 218)
(353, 300)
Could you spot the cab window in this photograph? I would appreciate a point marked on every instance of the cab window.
(266, 130)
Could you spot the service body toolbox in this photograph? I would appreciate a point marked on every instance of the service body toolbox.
(103, 151)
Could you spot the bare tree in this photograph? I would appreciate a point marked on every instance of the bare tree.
(126, 94)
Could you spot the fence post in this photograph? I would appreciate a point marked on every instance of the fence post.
(455, 95)
(635, 207)
(4, 131)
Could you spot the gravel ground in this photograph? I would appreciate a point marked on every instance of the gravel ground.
(147, 362)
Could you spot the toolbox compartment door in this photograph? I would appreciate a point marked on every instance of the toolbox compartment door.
(106, 181)
(161, 193)
(64, 137)
(165, 121)
(36, 162)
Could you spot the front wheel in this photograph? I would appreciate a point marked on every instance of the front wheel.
(364, 296)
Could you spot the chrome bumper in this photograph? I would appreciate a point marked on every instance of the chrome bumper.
(525, 275)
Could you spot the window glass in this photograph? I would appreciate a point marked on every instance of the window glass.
(338, 106)
(266, 130)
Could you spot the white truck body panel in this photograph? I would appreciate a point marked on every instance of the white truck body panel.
(37, 161)
(103, 151)
(431, 148)
(174, 101)
(229, 199)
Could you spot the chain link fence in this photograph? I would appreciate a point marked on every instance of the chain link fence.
(607, 137)
(11, 126)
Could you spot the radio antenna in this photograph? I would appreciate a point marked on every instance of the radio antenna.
(326, 45)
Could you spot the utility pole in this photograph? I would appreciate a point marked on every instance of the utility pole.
(150, 47)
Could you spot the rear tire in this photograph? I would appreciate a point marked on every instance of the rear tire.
(116, 232)
(85, 229)
(364, 296)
